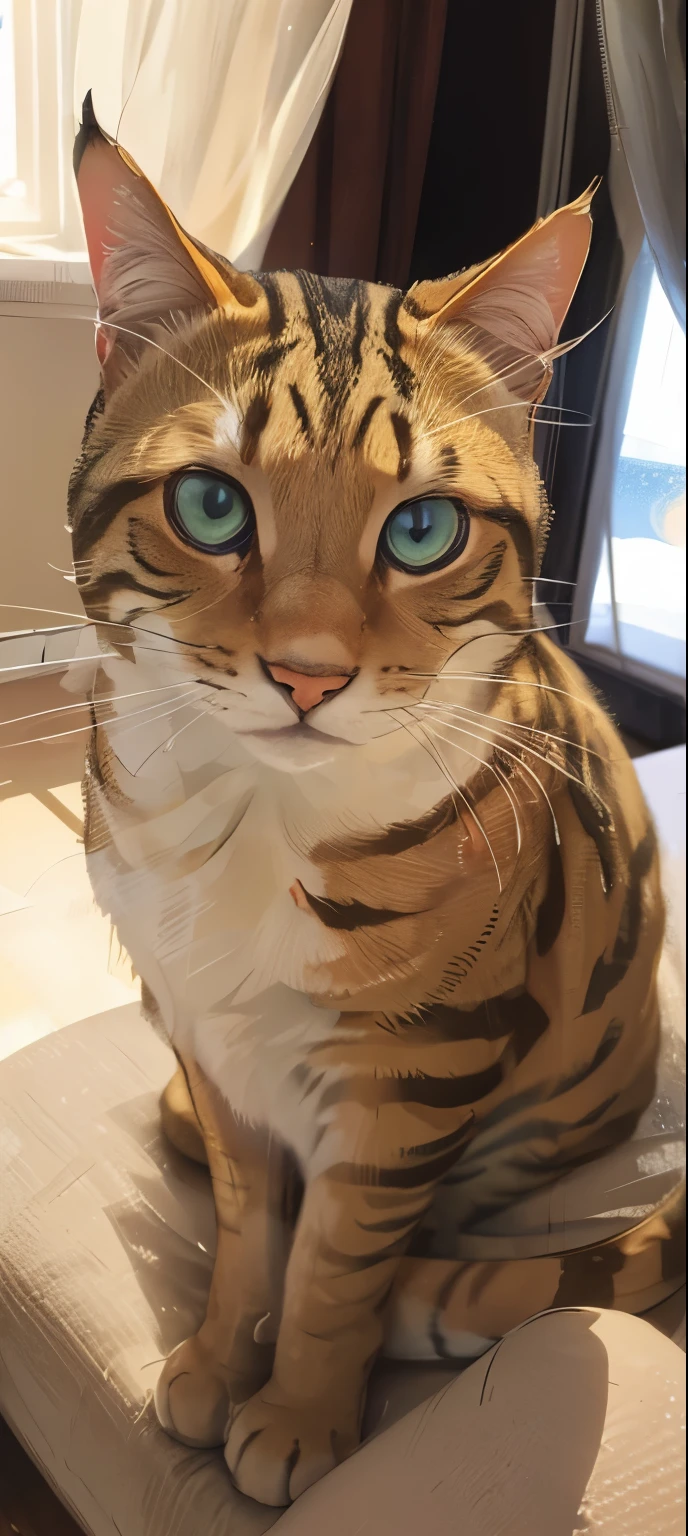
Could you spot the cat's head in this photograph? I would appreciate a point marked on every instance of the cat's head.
(319, 492)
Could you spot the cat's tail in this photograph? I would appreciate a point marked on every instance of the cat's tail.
(448, 1309)
(443, 1309)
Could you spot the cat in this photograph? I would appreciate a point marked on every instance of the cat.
(373, 845)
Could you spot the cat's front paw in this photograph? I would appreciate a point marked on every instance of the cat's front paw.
(275, 1449)
(192, 1395)
(199, 1382)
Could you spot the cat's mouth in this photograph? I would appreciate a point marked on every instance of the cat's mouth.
(299, 731)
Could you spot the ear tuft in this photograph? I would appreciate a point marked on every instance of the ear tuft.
(147, 272)
(520, 297)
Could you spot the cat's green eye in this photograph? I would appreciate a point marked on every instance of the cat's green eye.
(210, 511)
(425, 535)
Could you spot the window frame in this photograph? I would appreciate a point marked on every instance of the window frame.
(578, 466)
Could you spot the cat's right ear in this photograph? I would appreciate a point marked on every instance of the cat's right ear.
(147, 272)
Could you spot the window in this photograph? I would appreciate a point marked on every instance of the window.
(39, 216)
(638, 607)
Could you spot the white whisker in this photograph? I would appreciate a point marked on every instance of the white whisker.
(85, 703)
(514, 725)
(31, 741)
(59, 613)
(169, 744)
(496, 677)
(149, 342)
(209, 963)
(511, 405)
(196, 612)
(443, 768)
(502, 781)
(163, 745)
(525, 766)
(523, 747)
(538, 629)
(61, 661)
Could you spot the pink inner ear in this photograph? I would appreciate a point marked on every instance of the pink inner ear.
(104, 345)
(527, 292)
(101, 175)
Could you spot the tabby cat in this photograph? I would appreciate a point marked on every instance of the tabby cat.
(373, 846)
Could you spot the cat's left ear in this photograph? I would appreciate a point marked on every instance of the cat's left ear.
(519, 297)
(147, 272)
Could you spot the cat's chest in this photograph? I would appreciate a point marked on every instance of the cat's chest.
(205, 896)
(224, 949)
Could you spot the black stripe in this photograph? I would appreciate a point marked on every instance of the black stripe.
(402, 376)
(440, 1144)
(598, 825)
(553, 906)
(266, 362)
(325, 299)
(153, 570)
(353, 1263)
(413, 308)
(348, 915)
(519, 1019)
(277, 318)
(441, 1092)
(360, 322)
(489, 570)
(607, 974)
(521, 533)
(389, 1223)
(420, 1088)
(546, 1130)
(608, 1135)
(334, 310)
(365, 421)
(402, 432)
(102, 588)
(402, 835)
(302, 413)
(314, 300)
(254, 423)
(396, 1178)
(457, 969)
(438, 1311)
(498, 613)
(544, 1091)
(95, 520)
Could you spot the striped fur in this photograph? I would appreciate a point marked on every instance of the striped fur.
(407, 945)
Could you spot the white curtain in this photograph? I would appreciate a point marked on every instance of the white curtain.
(645, 74)
(216, 100)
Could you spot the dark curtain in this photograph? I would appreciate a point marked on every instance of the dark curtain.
(353, 207)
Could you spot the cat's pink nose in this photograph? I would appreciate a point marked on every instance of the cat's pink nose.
(306, 690)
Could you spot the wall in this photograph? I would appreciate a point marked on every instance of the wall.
(48, 377)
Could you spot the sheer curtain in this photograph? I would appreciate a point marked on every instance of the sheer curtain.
(643, 53)
(217, 101)
(629, 611)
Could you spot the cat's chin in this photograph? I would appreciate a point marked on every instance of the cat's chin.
(293, 748)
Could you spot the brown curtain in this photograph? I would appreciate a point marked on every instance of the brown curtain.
(353, 207)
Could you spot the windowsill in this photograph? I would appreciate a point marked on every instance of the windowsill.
(664, 653)
(28, 283)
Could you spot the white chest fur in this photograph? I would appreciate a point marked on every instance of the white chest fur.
(197, 879)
